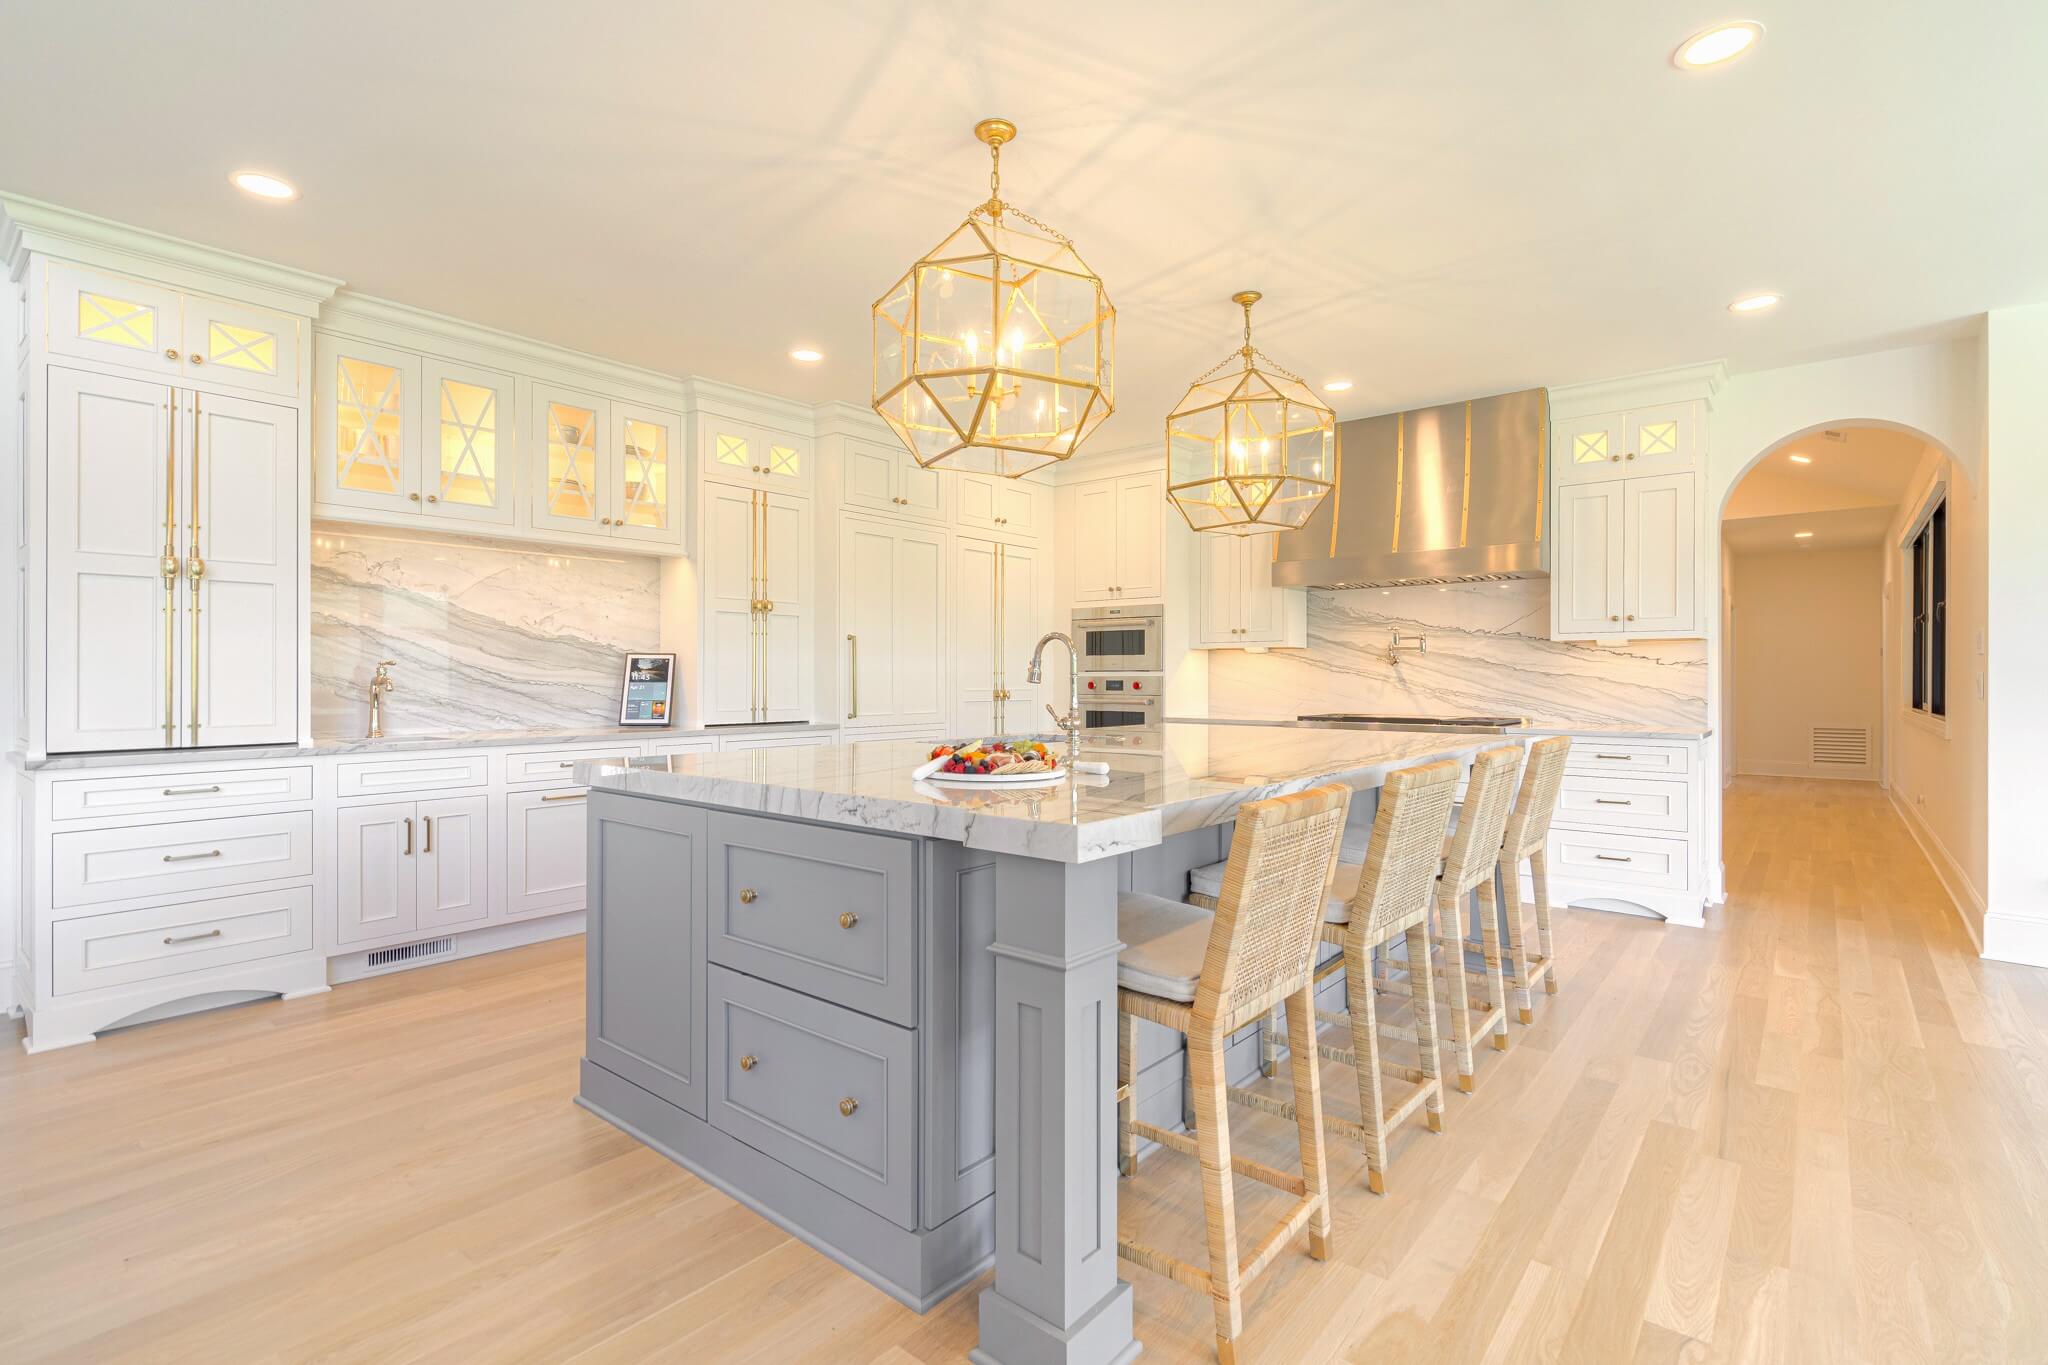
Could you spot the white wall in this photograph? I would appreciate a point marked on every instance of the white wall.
(10, 493)
(1805, 653)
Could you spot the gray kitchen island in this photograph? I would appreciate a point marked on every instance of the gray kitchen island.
(882, 1013)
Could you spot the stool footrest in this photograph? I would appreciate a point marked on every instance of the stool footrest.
(1243, 1165)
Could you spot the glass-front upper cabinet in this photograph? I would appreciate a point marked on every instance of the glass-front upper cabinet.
(158, 330)
(646, 445)
(569, 486)
(740, 452)
(366, 425)
(243, 348)
(472, 465)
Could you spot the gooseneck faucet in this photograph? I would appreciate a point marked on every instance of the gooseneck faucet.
(1070, 723)
(379, 685)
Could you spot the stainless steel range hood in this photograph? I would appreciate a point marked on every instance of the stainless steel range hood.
(1450, 494)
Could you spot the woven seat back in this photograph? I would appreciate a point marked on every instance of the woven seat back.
(1529, 823)
(1262, 946)
(1399, 876)
(1475, 849)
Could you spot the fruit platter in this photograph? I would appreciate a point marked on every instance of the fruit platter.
(993, 763)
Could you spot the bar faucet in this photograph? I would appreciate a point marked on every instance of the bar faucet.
(1070, 723)
(379, 685)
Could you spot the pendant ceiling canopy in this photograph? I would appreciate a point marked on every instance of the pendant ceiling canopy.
(1249, 449)
(995, 353)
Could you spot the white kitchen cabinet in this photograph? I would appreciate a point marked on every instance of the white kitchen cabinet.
(1625, 558)
(892, 608)
(1642, 442)
(546, 833)
(756, 587)
(999, 611)
(1237, 606)
(809, 739)
(1010, 507)
(570, 429)
(411, 866)
(1118, 539)
(879, 478)
(469, 470)
(184, 338)
(366, 434)
(753, 455)
(241, 347)
(643, 476)
(173, 547)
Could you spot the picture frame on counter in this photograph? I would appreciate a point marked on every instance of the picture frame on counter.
(647, 690)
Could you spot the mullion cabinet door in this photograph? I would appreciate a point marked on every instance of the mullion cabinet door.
(114, 320)
(243, 348)
(366, 414)
(1590, 449)
(571, 480)
(471, 464)
(646, 492)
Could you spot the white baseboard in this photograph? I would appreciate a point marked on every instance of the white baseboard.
(1828, 773)
(493, 938)
(1961, 894)
(2013, 938)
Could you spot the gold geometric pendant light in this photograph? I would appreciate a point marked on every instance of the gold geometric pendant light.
(995, 353)
(1249, 450)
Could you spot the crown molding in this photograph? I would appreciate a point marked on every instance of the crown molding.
(1677, 384)
(837, 417)
(30, 225)
(1108, 464)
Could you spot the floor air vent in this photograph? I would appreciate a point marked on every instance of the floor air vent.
(1841, 746)
(410, 952)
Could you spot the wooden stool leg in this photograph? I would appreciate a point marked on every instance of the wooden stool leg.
(1539, 874)
(1489, 949)
(1423, 984)
(1127, 1087)
(1219, 1199)
(1306, 1069)
(1269, 1042)
(1365, 1057)
(1451, 938)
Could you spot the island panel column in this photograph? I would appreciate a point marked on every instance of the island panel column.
(1057, 1299)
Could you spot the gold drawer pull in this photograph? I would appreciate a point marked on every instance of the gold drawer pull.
(848, 1105)
(847, 919)
(1613, 858)
(1612, 801)
(748, 896)
(189, 857)
(749, 1062)
(1620, 758)
(189, 791)
(193, 938)
(570, 764)
(566, 796)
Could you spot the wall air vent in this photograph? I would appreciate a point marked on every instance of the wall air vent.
(409, 952)
(1838, 746)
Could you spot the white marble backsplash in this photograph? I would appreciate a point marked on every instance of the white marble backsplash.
(1488, 655)
(487, 635)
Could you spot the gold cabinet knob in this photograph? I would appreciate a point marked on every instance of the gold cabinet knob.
(847, 919)
(1630, 456)
(1631, 616)
(748, 1062)
(1614, 618)
(433, 497)
(415, 497)
(748, 896)
(848, 1105)
(170, 353)
(196, 358)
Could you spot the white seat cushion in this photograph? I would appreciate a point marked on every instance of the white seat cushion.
(1164, 943)
(1208, 881)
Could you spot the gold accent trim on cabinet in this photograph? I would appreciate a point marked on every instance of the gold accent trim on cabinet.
(170, 566)
(195, 572)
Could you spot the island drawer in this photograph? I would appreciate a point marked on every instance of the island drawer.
(1627, 859)
(830, 912)
(167, 940)
(1628, 758)
(82, 798)
(1623, 803)
(827, 1092)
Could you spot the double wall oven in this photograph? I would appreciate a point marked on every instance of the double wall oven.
(1122, 689)
(1119, 639)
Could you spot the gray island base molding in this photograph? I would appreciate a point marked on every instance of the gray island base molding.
(882, 1013)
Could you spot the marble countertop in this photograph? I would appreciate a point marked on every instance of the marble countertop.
(396, 744)
(1204, 774)
(1536, 728)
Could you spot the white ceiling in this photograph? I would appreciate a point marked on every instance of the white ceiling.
(1438, 200)
(1847, 493)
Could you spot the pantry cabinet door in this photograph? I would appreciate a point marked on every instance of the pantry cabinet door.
(472, 439)
(785, 532)
(366, 426)
(570, 485)
(453, 862)
(1022, 601)
(731, 585)
(1661, 595)
(919, 622)
(868, 590)
(1588, 559)
(974, 644)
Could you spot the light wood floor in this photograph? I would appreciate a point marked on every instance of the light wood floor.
(1815, 1132)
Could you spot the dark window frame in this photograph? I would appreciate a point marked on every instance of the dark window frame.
(1926, 553)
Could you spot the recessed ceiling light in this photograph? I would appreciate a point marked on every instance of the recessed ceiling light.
(1754, 303)
(1721, 43)
(1802, 535)
(1800, 459)
(264, 186)
(1336, 385)
(804, 355)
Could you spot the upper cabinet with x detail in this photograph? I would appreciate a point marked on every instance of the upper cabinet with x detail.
(156, 330)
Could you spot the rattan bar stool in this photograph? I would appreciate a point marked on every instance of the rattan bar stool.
(1471, 858)
(1528, 832)
(1207, 974)
(1386, 898)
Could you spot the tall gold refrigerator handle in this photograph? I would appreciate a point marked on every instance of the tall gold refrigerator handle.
(996, 640)
(195, 571)
(170, 566)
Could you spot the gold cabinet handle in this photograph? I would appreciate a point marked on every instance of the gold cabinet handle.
(195, 569)
(190, 857)
(430, 836)
(749, 1062)
(191, 938)
(853, 676)
(566, 796)
(1613, 858)
(748, 896)
(408, 836)
(169, 567)
(190, 791)
(1625, 758)
(847, 919)
(1612, 801)
(847, 1106)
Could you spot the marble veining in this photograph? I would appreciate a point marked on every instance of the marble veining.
(1489, 654)
(1204, 774)
(486, 635)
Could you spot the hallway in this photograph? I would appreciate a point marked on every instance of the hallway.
(1815, 1131)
